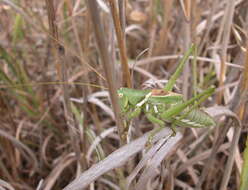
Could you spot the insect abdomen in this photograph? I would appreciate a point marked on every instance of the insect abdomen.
(195, 118)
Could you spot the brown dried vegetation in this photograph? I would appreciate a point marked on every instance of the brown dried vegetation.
(61, 63)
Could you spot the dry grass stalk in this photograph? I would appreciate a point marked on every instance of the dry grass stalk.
(107, 66)
(37, 152)
(62, 66)
(120, 33)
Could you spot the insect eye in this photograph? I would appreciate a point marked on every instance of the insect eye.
(120, 95)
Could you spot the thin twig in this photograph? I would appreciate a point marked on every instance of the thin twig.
(107, 65)
(186, 71)
(230, 162)
(121, 43)
(226, 35)
(122, 13)
(62, 71)
(209, 163)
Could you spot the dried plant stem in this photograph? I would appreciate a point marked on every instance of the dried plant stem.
(162, 42)
(122, 13)
(152, 31)
(244, 85)
(107, 66)
(126, 77)
(209, 24)
(226, 26)
(186, 71)
(62, 71)
(208, 166)
(86, 90)
(187, 10)
(229, 165)
(243, 89)
(226, 35)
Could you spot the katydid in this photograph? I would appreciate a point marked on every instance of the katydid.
(163, 105)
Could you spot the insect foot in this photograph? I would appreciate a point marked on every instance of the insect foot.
(174, 130)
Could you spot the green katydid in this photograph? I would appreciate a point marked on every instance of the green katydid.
(163, 105)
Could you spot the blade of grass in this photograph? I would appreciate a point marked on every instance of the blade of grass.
(18, 32)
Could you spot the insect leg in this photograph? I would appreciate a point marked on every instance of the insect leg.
(133, 114)
(141, 103)
(161, 124)
(174, 77)
(154, 119)
(201, 99)
(155, 108)
(138, 108)
(177, 109)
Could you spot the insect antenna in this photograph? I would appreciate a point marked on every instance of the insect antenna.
(136, 59)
